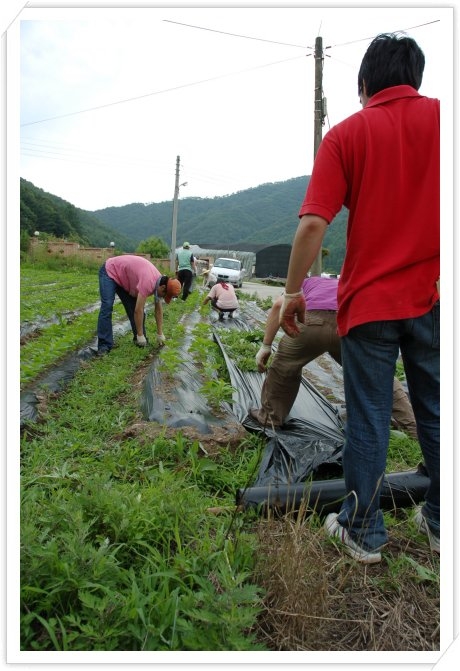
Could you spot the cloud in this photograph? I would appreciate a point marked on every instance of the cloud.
(109, 98)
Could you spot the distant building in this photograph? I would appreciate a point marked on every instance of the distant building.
(273, 261)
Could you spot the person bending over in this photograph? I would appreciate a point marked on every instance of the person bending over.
(132, 278)
(317, 336)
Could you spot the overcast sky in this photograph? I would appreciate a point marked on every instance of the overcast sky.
(108, 98)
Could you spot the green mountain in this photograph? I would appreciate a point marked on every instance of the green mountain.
(264, 214)
(44, 212)
(245, 220)
(249, 219)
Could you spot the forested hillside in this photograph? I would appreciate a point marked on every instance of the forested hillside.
(47, 213)
(264, 215)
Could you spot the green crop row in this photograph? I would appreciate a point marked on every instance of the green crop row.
(117, 549)
(56, 341)
(46, 293)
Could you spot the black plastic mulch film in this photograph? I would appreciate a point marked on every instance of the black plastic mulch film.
(302, 461)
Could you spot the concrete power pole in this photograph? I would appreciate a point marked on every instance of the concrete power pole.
(316, 267)
(172, 260)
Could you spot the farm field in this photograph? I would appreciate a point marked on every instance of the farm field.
(130, 538)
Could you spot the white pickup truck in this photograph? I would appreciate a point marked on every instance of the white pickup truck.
(229, 270)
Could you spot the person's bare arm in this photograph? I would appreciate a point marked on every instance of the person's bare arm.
(159, 317)
(305, 248)
(271, 329)
(273, 321)
(139, 314)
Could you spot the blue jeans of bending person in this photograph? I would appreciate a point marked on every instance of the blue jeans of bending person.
(108, 289)
(369, 354)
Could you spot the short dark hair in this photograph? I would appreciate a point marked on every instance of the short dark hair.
(391, 59)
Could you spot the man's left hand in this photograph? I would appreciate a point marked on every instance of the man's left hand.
(262, 357)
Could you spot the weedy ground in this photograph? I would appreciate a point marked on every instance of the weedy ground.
(121, 547)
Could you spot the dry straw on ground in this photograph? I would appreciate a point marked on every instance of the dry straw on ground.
(319, 599)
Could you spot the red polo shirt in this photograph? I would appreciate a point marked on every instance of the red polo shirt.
(382, 163)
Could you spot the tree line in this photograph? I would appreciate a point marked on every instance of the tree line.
(249, 219)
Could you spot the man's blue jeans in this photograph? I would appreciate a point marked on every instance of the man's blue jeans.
(108, 288)
(369, 354)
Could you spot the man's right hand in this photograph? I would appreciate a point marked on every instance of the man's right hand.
(262, 357)
(293, 306)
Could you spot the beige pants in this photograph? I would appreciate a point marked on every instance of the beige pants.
(317, 336)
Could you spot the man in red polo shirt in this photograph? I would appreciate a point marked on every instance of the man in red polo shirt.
(383, 164)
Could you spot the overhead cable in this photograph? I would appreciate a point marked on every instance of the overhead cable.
(155, 93)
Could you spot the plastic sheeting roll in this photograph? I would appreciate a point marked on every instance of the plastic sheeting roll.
(399, 490)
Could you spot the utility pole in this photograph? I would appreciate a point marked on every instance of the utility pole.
(316, 267)
(172, 261)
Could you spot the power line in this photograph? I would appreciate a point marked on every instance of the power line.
(204, 81)
(288, 44)
(68, 153)
(364, 39)
(72, 154)
(403, 30)
(155, 93)
(245, 37)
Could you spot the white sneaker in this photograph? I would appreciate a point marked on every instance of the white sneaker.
(335, 530)
(422, 526)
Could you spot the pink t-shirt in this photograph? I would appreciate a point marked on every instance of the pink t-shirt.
(225, 298)
(135, 274)
(320, 293)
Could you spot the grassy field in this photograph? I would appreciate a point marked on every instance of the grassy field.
(119, 549)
